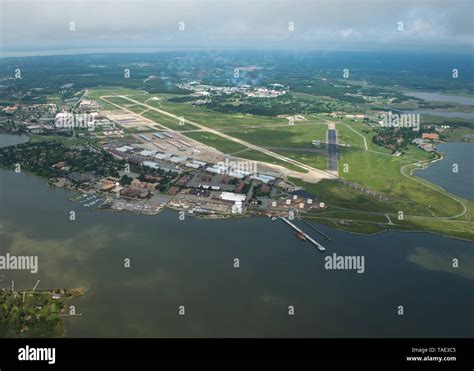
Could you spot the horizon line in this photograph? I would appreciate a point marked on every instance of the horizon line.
(91, 51)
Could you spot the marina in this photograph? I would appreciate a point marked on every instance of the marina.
(88, 200)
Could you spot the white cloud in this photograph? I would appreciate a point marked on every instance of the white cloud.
(44, 24)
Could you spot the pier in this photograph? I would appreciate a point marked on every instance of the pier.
(316, 229)
(315, 243)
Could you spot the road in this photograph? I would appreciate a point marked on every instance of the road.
(359, 134)
(332, 150)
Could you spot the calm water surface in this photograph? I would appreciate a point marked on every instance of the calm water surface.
(441, 172)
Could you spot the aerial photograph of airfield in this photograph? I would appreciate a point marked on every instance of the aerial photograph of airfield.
(232, 171)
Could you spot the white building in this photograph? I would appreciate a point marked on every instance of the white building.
(124, 149)
(148, 152)
(230, 196)
(162, 156)
(263, 178)
(151, 164)
(237, 207)
(191, 165)
(177, 160)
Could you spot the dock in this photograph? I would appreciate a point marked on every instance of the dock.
(316, 229)
(315, 243)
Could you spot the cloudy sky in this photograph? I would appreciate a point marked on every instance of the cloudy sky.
(41, 26)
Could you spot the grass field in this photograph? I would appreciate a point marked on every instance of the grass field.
(378, 170)
(364, 214)
(297, 136)
(340, 196)
(381, 173)
(120, 101)
(316, 160)
(166, 120)
(116, 90)
(213, 119)
(136, 108)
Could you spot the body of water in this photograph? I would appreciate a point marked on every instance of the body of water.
(441, 172)
(12, 139)
(437, 97)
(191, 263)
(463, 115)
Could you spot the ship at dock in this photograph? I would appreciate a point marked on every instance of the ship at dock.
(301, 236)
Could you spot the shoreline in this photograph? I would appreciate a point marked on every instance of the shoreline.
(250, 213)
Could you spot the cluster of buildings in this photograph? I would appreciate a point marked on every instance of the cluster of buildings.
(88, 105)
(34, 118)
(202, 90)
(191, 185)
(426, 142)
(45, 108)
(90, 121)
(153, 159)
(49, 117)
(166, 169)
(341, 114)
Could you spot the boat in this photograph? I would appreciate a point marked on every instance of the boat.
(274, 218)
(301, 236)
